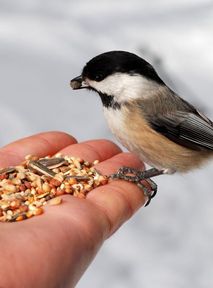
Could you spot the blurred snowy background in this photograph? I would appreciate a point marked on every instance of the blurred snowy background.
(43, 44)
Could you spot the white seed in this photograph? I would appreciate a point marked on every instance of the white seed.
(5, 206)
(31, 176)
(59, 177)
(9, 212)
(21, 175)
(77, 164)
(20, 168)
(38, 182)
(55, 201)
(33, 191)
(46, 187)
(16, 181)
(10, 188)
(58, 155)
(32, 207)
(62, 186)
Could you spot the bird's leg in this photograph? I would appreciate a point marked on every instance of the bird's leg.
(134, 175)
(137, 176)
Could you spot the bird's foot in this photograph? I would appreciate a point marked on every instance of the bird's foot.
(137, 176)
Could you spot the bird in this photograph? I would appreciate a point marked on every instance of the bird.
(147, 117)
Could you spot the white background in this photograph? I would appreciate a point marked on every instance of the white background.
(44, 44)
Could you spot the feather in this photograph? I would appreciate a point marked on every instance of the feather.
(189, 129)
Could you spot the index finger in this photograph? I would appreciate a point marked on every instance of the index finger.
(42, 144)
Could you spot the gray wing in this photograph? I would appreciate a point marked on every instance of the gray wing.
(189, 129)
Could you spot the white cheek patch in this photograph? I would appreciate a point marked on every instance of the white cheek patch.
(123, 86)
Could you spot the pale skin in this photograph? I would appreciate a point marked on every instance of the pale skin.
(55, 248)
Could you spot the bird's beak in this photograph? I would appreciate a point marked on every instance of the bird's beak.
(78, 83)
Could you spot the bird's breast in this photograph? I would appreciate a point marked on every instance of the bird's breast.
(134, 132)
(117, 124)
(131, 133)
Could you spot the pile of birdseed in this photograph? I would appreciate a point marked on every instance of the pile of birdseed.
(25, 188)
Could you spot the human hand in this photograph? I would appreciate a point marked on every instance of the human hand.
(54, 249)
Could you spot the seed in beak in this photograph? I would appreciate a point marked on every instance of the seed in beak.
(78, 83)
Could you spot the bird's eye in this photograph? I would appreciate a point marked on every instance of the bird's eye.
(99, 77)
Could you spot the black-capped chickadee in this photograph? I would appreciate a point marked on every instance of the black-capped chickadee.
(146, 116)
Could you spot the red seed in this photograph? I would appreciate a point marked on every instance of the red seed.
(27, 184)
(3, 176)
(40, 191)
(22, 187)
(15, 204)
(55, 182)
(23, 208)
(60, 192)
(103, 180)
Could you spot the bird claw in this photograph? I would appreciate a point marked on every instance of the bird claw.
(149, 193)
(137, 176)
(126, 173)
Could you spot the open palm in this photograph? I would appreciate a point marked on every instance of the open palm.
(54, 249)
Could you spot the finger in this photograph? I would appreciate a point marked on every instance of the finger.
(42, 144)
(119, 199)
(122, 159)
(92, 150)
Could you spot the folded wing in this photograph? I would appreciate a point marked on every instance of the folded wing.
(192, 130)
